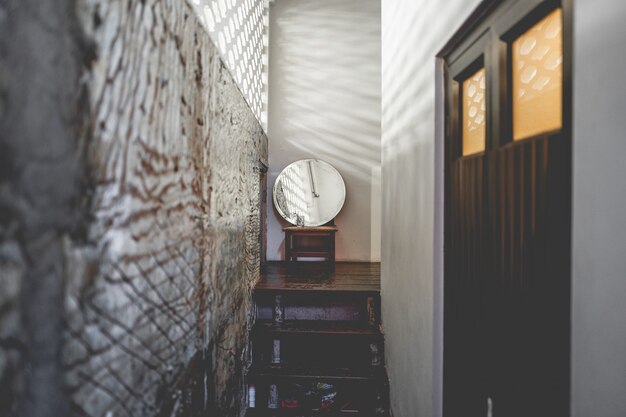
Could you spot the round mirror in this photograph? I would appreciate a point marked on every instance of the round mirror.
(309, 192)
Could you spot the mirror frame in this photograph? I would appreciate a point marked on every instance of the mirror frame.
(343, 190)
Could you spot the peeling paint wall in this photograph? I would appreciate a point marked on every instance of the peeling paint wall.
(129, 217)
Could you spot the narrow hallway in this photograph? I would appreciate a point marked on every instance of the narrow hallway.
(317, 345)
(452, 171)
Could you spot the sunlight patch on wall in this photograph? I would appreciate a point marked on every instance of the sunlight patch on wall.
(239, 29)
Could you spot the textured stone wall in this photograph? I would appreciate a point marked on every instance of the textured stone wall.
(153, 187)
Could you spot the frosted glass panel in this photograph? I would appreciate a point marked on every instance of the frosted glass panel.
(538, 78)
(474, 133)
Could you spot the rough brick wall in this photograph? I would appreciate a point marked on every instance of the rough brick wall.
(156, 245)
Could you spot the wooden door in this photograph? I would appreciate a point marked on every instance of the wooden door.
(508, 213)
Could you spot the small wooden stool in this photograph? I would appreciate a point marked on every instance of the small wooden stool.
(310, 242)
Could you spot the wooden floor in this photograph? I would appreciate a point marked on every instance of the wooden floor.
(316, 276)
(318, 328)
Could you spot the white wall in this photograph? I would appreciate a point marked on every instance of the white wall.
(413, 32)
(599, 230)
(324, 102)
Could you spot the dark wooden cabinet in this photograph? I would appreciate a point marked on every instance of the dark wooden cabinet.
(310, 242)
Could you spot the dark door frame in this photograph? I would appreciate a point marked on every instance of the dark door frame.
(483, 41)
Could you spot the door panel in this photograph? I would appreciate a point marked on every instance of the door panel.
(529, 297)
(465, 297)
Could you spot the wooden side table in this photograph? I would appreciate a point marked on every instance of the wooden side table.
(310, 242)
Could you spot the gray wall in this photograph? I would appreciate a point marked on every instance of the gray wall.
(129, 213)
(413, 33)
(324, 102)
(599, 229)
